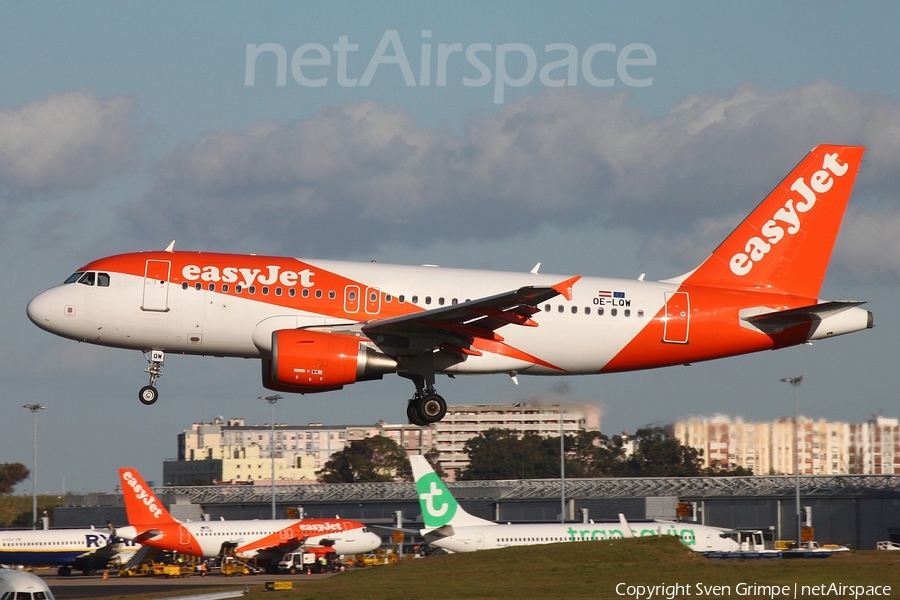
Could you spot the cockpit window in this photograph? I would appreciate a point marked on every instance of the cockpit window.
(87, 278)
(103, 279)
(74, 277)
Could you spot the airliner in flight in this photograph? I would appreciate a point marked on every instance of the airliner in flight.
(150, 524)
(81, 549)
(318, 325)
(449, 526)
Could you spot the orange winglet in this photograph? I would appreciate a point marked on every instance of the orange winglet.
(565, 287)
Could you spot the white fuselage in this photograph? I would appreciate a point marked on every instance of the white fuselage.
(699, 538)
(211, 535)
(54, 547)
(22, 585)
(572, 335)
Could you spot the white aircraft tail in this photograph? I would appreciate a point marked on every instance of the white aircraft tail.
(439, 507)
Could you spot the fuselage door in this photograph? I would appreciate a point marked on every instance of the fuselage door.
(678, 315)
(351, 299)
(156, 285)
(373, 301)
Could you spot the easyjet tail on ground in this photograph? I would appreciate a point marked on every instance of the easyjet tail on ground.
(319, 325)
(150, 524)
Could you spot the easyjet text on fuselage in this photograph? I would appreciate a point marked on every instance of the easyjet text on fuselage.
(246, 277)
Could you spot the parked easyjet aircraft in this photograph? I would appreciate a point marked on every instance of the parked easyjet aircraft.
(150, 524)
(320, 325)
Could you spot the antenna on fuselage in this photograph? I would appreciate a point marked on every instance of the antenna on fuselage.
(171, 246)
(536, 268)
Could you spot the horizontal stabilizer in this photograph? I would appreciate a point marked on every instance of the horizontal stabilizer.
(438, 533)
(827, 319)
(804, 314)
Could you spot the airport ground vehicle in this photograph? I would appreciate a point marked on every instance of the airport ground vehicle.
(315, 559)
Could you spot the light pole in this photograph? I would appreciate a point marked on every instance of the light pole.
(34, 408)
(795, 383)
(562, 467)
(272, 400)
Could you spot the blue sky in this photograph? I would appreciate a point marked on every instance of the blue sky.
(126, 125)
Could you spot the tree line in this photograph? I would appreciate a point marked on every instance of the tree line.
(505, 454)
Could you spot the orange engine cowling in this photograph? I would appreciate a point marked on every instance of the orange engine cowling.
(312, 361)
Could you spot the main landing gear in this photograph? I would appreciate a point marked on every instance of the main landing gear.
(426, 406)
(149, 394)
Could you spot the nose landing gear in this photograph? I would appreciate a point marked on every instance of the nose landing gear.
(149, 394)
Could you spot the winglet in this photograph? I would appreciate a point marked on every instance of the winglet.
(626, 528)
(565, 287)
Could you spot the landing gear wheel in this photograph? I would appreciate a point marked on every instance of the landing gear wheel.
(148, 395)
(431, 408)
(412, 413)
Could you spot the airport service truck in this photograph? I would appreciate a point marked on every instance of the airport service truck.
(315, 559)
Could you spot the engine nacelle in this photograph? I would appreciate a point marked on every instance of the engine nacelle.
(306, 361)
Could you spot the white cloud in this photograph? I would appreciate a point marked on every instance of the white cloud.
(68, 141)
(354, 176)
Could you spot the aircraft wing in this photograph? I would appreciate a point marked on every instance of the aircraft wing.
(456, 327)
(273, 543)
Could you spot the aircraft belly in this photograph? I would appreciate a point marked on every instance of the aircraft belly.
(558, 346)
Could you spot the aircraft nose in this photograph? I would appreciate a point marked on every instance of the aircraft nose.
(374, 541)
(39, 310)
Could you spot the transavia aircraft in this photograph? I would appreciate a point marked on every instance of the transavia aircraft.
(150, 524)
(320, 325)
(449, 526)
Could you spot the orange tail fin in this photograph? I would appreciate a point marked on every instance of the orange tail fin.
(141, 504)
(785, 244)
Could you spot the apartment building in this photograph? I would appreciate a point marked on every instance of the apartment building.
(767, 448)
(232, 451)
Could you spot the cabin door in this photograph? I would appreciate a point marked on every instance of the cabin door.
(156, 285)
